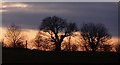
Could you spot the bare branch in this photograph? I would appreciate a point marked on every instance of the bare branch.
(94, 34)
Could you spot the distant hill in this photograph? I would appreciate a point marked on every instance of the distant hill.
(10, 55)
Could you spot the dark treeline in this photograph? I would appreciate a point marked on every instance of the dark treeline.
(95, 37)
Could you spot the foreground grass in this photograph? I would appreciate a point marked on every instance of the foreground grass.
(10, 55)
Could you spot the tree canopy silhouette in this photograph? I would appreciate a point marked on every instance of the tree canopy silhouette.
(58, 29)
(94, 35)
(14, 36)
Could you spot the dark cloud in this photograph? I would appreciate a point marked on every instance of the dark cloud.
(79, 12)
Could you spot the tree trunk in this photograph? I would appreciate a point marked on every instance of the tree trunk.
(93, 46)
(14, 44)
(86, 48)
(58, 47)
(26, 44)
(3, 43)
(58, 43)
(93, 50)
(69, 47)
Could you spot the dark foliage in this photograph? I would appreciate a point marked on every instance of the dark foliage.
(14, 36)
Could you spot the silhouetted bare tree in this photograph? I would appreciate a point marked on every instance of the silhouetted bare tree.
(14, 36)
(94, 35)
(43, 43)
(58, 28)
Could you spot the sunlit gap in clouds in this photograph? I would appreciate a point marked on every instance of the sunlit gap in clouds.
(4, 6)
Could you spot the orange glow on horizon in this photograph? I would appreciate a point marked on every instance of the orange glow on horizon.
(30, 35)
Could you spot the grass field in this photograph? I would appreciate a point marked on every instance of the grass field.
(10, 55)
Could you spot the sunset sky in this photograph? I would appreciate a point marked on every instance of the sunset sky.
(29, 15)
